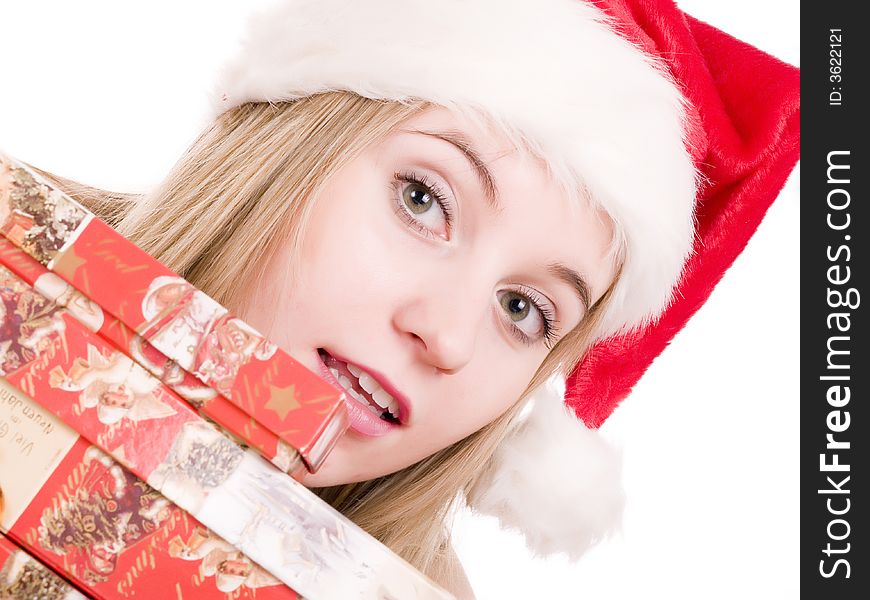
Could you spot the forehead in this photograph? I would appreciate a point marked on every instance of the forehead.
(554, 226)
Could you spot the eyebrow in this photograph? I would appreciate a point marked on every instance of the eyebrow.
(566, 274)
(573, 279)
(484, 175)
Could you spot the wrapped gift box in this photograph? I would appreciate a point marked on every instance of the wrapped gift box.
(79, 512)
(23, 577)
(209, 403)
(180, 322)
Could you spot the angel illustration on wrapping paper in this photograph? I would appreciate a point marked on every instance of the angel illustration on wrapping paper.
(170, 373)
(229, 345)
(113, 384)
(59, 291)
(177, 318)
(230, 568)
(198, 333)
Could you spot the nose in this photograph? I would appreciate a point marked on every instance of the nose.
(442, 325)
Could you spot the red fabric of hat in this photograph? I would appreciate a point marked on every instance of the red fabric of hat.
(745, 144)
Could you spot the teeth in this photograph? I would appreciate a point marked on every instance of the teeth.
(368, 383)
(382, 398)
(379, 396)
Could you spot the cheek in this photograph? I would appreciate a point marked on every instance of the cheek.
(339, 234)
(494, 384)
(355, 258)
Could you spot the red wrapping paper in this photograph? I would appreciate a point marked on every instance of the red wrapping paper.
(83, 515)
(207, 401)
(178, 320)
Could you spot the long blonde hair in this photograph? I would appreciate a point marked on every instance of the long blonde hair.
(245, 186)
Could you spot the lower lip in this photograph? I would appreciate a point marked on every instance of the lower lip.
(362, 420)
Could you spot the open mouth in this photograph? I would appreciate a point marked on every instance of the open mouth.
(363, 388)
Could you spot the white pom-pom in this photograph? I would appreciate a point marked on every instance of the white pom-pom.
(553, 479)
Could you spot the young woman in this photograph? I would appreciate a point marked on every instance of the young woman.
(444, 206)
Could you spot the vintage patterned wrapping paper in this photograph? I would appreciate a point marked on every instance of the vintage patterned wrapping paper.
(117, 405)
(178, 320)
(209, 403)
(84, 515)
(23, 577)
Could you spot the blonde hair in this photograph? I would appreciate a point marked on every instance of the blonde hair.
(246, 185)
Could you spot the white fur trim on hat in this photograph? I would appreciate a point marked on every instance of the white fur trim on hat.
(554, 480)
(606, 117)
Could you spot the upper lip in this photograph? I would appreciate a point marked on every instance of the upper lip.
(385, 383)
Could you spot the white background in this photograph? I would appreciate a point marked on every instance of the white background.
(111, 93)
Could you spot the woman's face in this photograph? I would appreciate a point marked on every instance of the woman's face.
(439, 280)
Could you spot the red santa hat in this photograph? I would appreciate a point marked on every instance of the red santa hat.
(681, 133)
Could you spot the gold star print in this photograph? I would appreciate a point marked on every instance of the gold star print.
(68, 263)
(282, 400)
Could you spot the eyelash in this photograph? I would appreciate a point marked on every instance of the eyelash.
(550, 328)
(441, 199)
(431, 187)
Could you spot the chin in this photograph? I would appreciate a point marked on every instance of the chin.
(338, 469)
(325, 478)
(341, 468)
